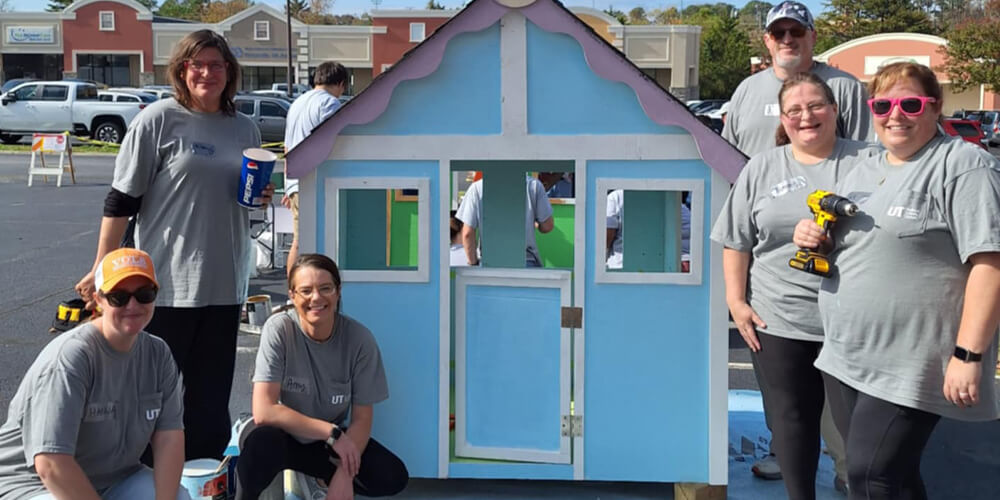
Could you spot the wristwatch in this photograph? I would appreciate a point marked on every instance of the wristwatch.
(335, 434)
(967, 355)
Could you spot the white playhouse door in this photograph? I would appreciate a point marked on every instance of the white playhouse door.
(512, 364)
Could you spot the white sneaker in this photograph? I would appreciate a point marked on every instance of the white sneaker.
(767, 468)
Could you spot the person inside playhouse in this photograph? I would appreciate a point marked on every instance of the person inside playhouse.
(538, 214)
(315, 367)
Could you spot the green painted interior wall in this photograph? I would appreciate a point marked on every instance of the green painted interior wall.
(403, 244)
(651, 237)
(362, 229)
(556, 247)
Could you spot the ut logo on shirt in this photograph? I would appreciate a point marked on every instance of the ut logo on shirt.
(903, 213)
(788, 185)
(152, 414)
(337, 399)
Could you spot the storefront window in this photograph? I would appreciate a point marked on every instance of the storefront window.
(110, 69)
(262, 77)
(38, 66)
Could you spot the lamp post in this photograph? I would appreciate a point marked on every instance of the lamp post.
(288, 30)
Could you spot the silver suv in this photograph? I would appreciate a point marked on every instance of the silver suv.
(267, 112)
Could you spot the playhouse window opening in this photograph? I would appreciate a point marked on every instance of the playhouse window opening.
(506, 235)
(379, 229)
(648, 231)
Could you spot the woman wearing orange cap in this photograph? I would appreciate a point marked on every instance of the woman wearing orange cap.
(95, 398)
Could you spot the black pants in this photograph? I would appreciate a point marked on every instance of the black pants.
(203, 342)
(885, 443)
(266, 451)
(792, 390)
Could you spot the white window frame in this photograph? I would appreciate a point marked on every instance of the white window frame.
(697, 189)
(332, 237)
(267, 30)
(423, 32)
(100, 20)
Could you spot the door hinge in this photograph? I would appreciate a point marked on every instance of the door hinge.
(572, 317)
(572, 425)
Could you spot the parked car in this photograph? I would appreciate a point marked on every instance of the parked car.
(267, 112)
(989, 122)
(160, 91)
(707, 106)
(968, 130)
(59, 106)
(277, 94)
(297, 89)
(126, 95)
(14, 82)
(344, 98)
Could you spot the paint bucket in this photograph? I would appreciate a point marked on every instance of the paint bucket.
(258, 309)
(206, 479)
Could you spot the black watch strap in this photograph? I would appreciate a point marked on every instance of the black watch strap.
(335, 434)
(967, 355)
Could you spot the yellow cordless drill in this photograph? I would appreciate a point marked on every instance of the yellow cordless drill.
(825, 206)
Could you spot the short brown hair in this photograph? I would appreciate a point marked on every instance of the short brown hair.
(780, 136)
(894, 73)
(316, 261)
(185, 50)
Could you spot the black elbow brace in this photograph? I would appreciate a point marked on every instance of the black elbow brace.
(119, 204)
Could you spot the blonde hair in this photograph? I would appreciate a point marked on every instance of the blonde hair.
(186, 49)
(894, 73)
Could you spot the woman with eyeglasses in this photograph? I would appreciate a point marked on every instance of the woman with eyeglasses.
(317, 376)
(95, 398)
(178, 173)
(774, 306)
(911, 315)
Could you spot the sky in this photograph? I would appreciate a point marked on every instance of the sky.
(359, 6)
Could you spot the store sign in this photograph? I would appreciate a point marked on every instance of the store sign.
(276, 53)
(31, 34)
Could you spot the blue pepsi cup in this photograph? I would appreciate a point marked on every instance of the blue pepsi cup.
(254, 176)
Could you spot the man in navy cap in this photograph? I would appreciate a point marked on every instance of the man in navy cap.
(790, 36)
(750, 124)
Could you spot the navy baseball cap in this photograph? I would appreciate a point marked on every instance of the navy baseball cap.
(790, 10)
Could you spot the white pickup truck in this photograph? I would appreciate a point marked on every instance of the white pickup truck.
(54, 107)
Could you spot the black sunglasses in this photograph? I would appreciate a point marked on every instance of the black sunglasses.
(779, 34)
(120, 298)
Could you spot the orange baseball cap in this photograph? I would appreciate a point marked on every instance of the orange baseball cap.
(121, 264)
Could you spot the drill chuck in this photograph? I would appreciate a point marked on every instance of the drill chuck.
(838, 205)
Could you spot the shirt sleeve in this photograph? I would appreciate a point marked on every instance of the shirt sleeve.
(543, 209)
(613, 211)
(53, 414)
(735, 227)
(368, 383)
(138, 159)
(468, 211)
(172, 408)
(732, 118)
(972, 210)
(270, 364)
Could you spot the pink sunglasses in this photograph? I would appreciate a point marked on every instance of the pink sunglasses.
(909, 106)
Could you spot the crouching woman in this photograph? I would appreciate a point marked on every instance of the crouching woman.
(95, 397)
(314, 367)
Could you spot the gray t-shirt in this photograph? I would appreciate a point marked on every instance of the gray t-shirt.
(305, 114)
(536, 209)
(321, 379)
(759, 218)
(186, 167)
(754, 113)
(81, 397)
(891, 311)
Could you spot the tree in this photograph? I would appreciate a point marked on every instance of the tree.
(432, 5)
(295, 7)
(182, 9)
(637, 16)
(617, 14)
(58, 5)
(849, 19)
(223, 9)
(669, 15)
(5, 6)
(724, 59)
(752, 18)
(973, 51)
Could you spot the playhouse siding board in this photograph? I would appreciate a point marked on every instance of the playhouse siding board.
(83, 35)
(431, 111)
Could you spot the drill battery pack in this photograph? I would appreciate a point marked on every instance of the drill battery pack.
(69, 314)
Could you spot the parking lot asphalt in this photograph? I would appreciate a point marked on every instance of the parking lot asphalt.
(49, 236)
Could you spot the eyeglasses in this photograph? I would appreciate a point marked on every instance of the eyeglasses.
(814, 108)
(909, 106)
(779, 33)
(212, 67)
(324, 290)
(120, 298)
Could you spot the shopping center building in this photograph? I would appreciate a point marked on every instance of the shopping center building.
(122, 43)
